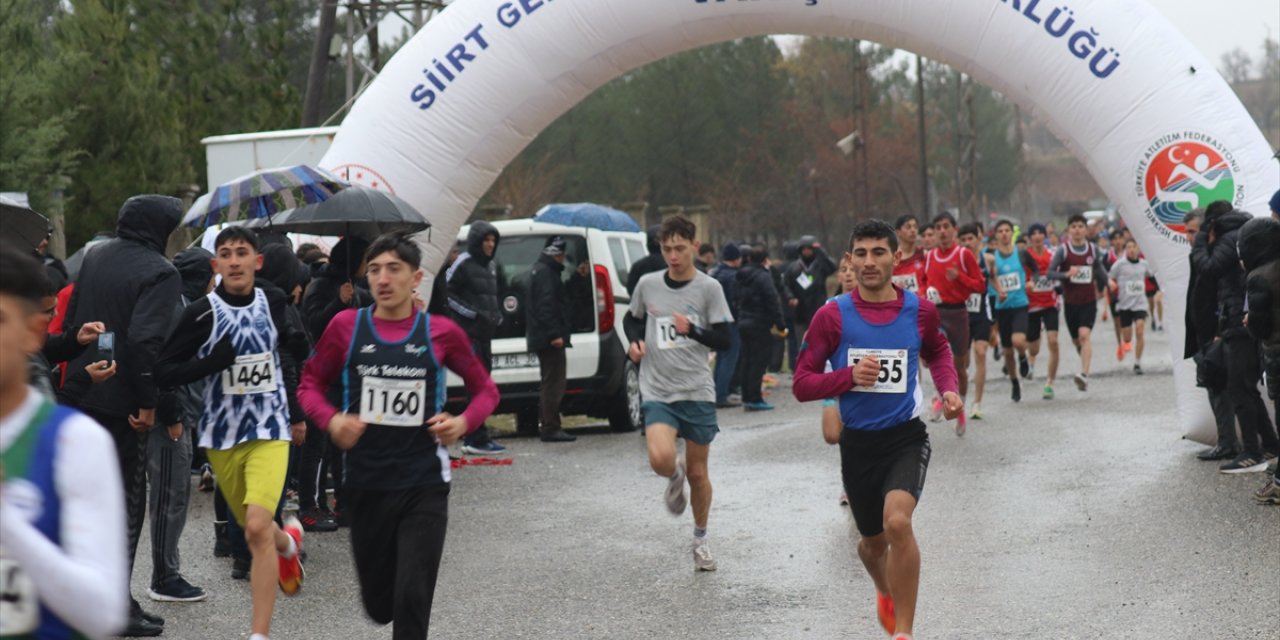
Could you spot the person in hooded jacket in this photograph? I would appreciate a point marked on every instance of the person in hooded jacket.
(1216, 260)
(1201, 323)
(169, 452)
(807, 280)
(472, 283)
(650, 263)
(129, 285)
(759, 314)
(337, 285)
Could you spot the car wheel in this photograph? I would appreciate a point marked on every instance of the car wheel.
(627, 415)
(527, 421)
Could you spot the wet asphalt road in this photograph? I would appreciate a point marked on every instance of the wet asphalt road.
(1083, 517)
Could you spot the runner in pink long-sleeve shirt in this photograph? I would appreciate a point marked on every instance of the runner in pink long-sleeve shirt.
(873, 339)
(385, 365)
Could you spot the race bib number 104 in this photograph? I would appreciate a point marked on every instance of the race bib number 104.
(893, 369)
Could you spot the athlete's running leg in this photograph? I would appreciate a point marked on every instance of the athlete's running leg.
(661, 440)
(1052, 337)
(979, 369)
(1126, 335)
(266, 541)
(962, 370)
(1086, 349)
(1142, 340)
(695, 459)
(903, 562)
(874, 552)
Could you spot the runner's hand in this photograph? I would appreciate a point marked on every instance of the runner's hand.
(346, 429)
(952, 405)
(100, 372)
(1004, 295)
(447, 428)
(89, 332)
(558, 343)
(298, 433)
(175, 431)
(345, 292)
(866, 372)
(636, 351)
(683, 326)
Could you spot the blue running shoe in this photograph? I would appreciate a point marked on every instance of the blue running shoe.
(758, 406)
(486, 449)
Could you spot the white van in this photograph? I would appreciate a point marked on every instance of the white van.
(602, 381)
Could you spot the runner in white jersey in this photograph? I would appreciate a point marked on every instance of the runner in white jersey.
(1129, 287)
(62, 531)
(678, 316)
(233, 338)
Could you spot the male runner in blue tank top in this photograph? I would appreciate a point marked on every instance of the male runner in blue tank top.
(390, 361)
(62, 530)
(874, 338)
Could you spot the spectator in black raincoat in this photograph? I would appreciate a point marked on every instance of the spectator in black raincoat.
(472, 283)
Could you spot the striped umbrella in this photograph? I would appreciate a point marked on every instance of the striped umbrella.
(262, 193)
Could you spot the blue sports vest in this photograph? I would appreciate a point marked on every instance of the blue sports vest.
(1013, 276)
(898, 348)
(379, 377)
(29, 462)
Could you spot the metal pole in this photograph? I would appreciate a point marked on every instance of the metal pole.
(351, 45)
(920, 130)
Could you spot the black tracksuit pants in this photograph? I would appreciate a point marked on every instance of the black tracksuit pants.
(397, 539)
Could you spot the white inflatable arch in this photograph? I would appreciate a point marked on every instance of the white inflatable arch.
(1154, 123)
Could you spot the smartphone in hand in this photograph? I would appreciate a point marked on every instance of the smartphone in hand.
(107, 348)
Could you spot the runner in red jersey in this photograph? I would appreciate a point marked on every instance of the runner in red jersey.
(909, 274)
(1043, 312)
(952, 273)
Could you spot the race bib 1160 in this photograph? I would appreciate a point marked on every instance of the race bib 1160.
(394, 402)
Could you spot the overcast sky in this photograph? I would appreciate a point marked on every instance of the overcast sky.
(1216, 27)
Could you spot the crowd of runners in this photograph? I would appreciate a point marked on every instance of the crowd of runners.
(276, 373)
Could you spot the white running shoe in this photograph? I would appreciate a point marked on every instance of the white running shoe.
(702, 559)
(676, 500)
(1082, 382)
(975, 411)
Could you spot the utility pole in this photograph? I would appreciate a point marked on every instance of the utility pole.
(924, 159)
(319, 71)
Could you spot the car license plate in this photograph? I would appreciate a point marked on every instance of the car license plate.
(515, 360)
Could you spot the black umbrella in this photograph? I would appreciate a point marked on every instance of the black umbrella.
(21, 225)
(358, 211)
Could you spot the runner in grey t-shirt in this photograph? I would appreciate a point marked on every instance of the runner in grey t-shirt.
(678, 317)
(1128, 284)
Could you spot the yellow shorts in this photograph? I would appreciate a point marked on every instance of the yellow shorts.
(251, 473)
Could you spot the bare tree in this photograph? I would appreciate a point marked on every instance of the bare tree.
(1237, 66)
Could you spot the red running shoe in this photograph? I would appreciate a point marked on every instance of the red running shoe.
(884, 611)
(291, 568)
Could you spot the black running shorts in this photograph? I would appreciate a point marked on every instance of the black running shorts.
(1011, 321)
(1079, 315)
(1127, 317)
(1048, 318)
(873, 463)
(979, 327)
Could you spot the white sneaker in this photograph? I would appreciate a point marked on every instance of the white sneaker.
(702, 560)
(676, 500)
(1082, 382)
(975, 411)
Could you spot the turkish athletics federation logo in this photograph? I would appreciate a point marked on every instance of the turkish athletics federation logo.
(1185, 171)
